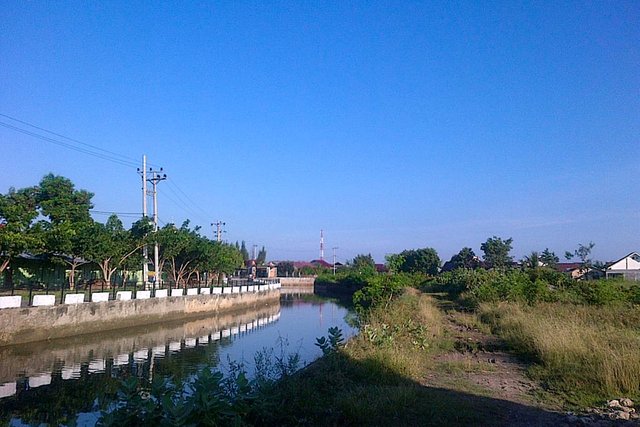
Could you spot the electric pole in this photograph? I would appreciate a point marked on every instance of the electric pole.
(334, 259)
(217, 232)
(156, 177)
(145, 249)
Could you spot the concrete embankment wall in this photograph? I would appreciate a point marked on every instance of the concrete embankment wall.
(297, 281)
(22, 325)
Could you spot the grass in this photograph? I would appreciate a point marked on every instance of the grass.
(587, 354)
(378, 377)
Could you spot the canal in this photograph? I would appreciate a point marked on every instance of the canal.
(69, 381)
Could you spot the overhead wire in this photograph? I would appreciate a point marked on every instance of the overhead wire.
(186, 203)
(69, 146)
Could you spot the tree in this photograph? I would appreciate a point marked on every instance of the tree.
(532, 261)
(394, 262)
(425, 261)
(244, 252)
(180, 249)
(262, 256)
(549, 258)
(496, 252)
(18, 233)
(583, 253)
(226, 260)
(364, 264)
(466, 258)
(111, 245)
(69, 219)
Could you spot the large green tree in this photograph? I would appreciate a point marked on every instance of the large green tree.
(496, 252)
(424, 261)
(111, 246)
(18, 232)
(364, 264)
(226, 259)
(466, 258)
(69, 221)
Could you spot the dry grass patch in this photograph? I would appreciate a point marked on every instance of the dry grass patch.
(587, 353)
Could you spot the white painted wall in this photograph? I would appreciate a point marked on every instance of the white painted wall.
(100, 297)
(143, 294)
(39, 300)
(123, 296)
(74, 298)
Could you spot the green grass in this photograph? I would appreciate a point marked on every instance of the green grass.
(586, 354)
(378, 377)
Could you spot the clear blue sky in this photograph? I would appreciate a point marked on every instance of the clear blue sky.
(390, 125)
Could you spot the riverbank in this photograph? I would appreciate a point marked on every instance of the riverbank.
(419, 361)
(23, 325)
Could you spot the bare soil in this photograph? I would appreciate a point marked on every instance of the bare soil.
(480, 364)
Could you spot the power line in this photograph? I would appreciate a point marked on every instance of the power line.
(90, 149)
(93, 147)
(98, 212)
(69, 146)
(189, 199)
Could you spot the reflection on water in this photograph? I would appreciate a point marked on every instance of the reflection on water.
(54, 381)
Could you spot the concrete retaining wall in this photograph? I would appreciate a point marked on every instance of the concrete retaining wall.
(21, 325)
(297, 281)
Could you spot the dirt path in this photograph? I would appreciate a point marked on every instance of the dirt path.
(479, 364)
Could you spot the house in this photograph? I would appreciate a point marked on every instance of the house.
(627, 268)
(321, 263)
(577, 272)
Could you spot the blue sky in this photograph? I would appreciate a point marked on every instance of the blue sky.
(390, 125)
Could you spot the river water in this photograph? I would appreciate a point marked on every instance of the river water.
(68, 381)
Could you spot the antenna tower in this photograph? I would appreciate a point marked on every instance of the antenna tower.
(321, 245)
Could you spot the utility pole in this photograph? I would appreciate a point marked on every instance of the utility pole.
(156, 177)
(145, 249)
(334, 259)
(217, 232)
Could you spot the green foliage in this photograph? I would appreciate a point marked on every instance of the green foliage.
(381, 289)
(262, 256)
(496, 252)
(531, 286)
(549, 259)
(425, 261)
(18, 233)
(244, 252)
(364, 265)
(331, 343)
(466, 258)
(209, 400)
(394, 262)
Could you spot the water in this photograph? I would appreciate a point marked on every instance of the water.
(69, 380)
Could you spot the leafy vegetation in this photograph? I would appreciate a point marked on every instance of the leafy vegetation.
(53, 220)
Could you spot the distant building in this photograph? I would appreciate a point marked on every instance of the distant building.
(627, 267)
(576, 272)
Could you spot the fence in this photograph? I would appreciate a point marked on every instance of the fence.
(35, 297)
